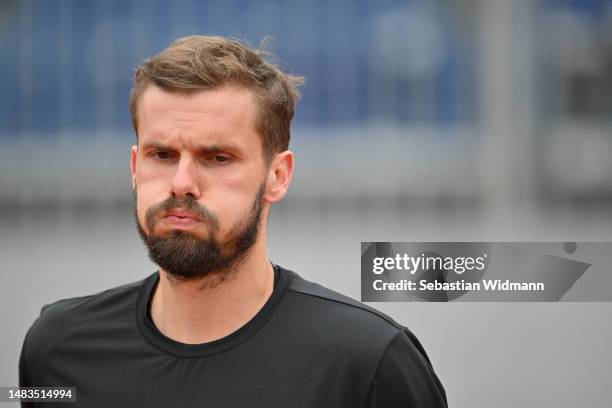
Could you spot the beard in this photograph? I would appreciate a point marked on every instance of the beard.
(187, 257)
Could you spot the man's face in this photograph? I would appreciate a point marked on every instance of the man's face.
(199, 178)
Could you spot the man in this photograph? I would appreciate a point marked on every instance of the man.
(219, 325)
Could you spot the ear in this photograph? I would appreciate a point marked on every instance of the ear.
(279, 177)
(133, 157)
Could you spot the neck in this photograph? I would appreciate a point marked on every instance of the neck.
(201, 311)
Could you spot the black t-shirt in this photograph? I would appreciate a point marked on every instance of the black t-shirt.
(307, 347)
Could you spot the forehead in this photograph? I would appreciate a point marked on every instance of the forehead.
(226, 114)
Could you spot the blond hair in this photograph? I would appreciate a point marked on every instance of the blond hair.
(198, 63)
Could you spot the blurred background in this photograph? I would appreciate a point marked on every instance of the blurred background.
(458, 120)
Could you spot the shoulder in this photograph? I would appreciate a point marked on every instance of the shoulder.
(398, 367)
(92, 306)
(334, 302)
(66, 317)
(340, 319)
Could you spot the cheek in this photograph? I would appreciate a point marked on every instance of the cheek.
(236, 196)
(237, 204)
(147, 195)
(246, 181)
(141, 209)
(152, 183)
(228, 186)
(149, 172)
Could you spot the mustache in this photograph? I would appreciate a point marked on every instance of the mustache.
(186, 203)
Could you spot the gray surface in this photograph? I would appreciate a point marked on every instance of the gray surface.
(486, 354)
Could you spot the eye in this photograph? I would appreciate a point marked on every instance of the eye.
(220, 159)
(162, 155)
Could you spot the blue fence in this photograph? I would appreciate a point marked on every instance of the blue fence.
(67, 65)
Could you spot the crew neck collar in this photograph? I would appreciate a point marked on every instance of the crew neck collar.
(156, 338)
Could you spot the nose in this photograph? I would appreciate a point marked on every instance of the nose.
(185, 180)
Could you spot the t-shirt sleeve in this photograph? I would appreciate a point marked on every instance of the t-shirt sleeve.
(27, 358)
(25, 379)
(405, 377)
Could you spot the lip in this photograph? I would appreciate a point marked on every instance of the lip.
(178, 213)
(181, 217)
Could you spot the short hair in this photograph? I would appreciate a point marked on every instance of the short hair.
(198, 62)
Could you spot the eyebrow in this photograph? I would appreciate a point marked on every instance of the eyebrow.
(212, 148)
